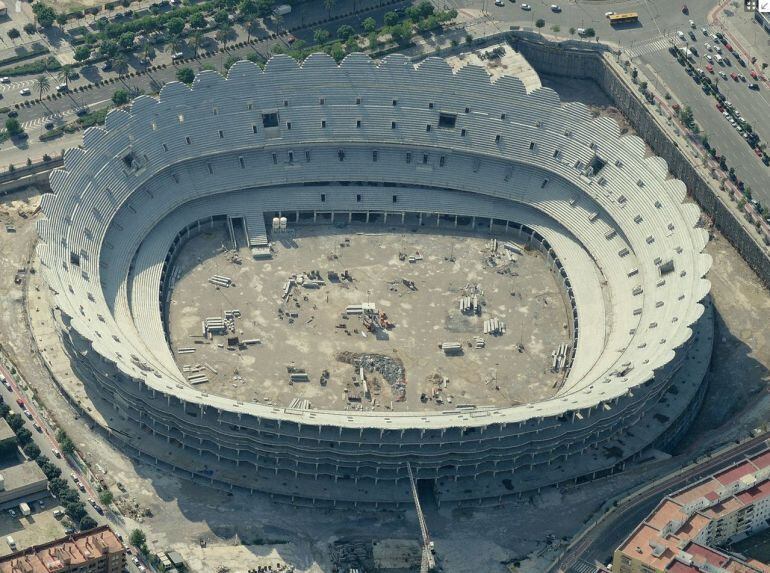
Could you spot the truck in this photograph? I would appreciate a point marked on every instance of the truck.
(24, 509)
(282, 10)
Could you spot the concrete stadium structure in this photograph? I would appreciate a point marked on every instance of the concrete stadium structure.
(386, 142)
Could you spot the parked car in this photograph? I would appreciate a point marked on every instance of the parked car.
(555, 8)
(24, 91)
(734, 76)
(608, 14)
(526, 7)
(5, 80)
(177, 56)
(56, 453)
(754, 87)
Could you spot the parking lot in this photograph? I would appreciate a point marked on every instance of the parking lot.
(39, 527)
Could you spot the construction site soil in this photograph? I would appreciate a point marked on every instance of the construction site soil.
(313, 344)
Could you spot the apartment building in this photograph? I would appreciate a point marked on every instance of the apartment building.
(95, 551)
(683, 532)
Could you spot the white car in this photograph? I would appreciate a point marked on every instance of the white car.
(24, 91)
(680, 34)
(5, 80)
(705, 31)
(708, 46)
(526, 7)
(692, 24)
(608, 14)
(723, 75)
(581, 31)
(709, 58)
(717, 49)
(555, 8)
(715, 37)
(499, 3)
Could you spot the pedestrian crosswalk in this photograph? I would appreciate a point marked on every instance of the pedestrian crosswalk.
(56, 118)
(651, 46)
(582, 566)
(16, 85)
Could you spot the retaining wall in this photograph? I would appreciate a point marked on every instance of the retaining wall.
(582, 60)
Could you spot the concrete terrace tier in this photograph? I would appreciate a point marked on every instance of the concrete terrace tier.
(387, 142)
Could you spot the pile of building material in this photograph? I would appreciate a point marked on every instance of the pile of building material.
(214, 325)
(470, 304)
(559, 357)
(300, 404)
(363, 308)
(452, 348)
(478, 342)
(494, 326)
(221, 281)
(297, 374)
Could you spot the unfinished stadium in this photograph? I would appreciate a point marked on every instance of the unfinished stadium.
(275, 158)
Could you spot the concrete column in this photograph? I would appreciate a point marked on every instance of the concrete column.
(403, 217)
(385, 218)
(315, 216)
(367, 216)
(455, 220)
(350, 216)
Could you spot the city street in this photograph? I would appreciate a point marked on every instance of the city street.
(46, 441)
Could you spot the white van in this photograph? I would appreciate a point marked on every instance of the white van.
(11, 542)
(719, 58)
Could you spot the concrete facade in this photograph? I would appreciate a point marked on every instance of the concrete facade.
(331, 141)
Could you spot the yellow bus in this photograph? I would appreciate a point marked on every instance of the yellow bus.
(627, 18)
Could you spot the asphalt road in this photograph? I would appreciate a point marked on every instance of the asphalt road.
(46, 441)
(601, 541)
(668, 75)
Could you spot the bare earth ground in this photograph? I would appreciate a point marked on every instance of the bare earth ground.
(518, 290)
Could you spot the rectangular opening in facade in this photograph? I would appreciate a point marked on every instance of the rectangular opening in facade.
(447, 120)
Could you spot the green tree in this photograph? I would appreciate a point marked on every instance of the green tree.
(321, 36)
(197, 21)
(29, 28)
(106, 497)
(264, 8)
(185, 75)
(87, 522)
(391, 18)
(44, 14)
(32, 450)
(82, 53)
(589, 33)
(57, 485)
(540, 23)
(369, 25)
(223, 34)
(221, 18)
(137, 538)
(556, 29)
(248, 9)
(572, 31)
(13, 127)
(75, 510)
(61, 19)
(120, 97)
(329, 5)
(336, 51)
(196, 39)
(120, 64)
(175, 26)
(345, 31)
(13, 33)
(63, 77)
(126, 41)
(23, 436)
(109, 48)
(14, 420)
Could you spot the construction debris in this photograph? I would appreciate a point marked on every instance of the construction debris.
(494, 326)
(559, 357)
(221, 281)
(391, 369)
(452, 348)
